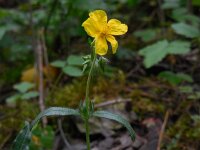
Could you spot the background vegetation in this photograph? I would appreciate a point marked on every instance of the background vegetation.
(153, 80)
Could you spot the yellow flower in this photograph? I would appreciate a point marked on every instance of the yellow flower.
(102, 31)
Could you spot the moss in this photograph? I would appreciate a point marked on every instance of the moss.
(69, 95)
(144, 105)
(14, 118)
(102, 88)
(187, 129)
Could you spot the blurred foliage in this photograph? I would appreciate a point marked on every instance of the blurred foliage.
(23, 93)
(157, 73)
(72, 66)
(14, 118)
(42, 138)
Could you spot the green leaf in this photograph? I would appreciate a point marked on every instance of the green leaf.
(186, 30)
(118, 118)
(182, 15)
(24, 86)
(75, 60)
(146, 35)
(178, 47)
(175, 78)
(154, 53)
(29, 95)
(179, 14)
(72, 71)
(169, 4)
(55, 111)
(59, 63)
(23, 138)
(13, 99)
(184, 77)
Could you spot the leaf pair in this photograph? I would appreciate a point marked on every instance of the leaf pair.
(71, 66)
(23, 93)
(154, 53)
(24, 137)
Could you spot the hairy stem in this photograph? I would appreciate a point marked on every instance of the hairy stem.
(88, 83)
(87, 129)
(87, 101)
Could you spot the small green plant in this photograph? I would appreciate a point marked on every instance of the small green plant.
(102, 31)
(71, 66)
(156, 52)
(23, 92)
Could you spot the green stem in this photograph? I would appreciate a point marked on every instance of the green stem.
(87, 101)
(87, 133)
(88, 83)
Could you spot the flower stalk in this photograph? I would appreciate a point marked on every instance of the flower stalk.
(87, 102)
(102, 30)
(87, 130)
(88, 83)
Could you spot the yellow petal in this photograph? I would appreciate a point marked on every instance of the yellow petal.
(113, 43)
(115, 27)
(99, 16)
(99, 19)
(101, 46)
(90, 28)
(96, 23)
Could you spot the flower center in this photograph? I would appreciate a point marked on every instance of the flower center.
(104, 31)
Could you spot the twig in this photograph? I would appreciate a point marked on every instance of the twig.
(111, 102)
(41, 80)
(37, 49)
(46, 60)
(162, 130)
(63, 134)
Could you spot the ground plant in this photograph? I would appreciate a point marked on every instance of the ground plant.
(102, 30)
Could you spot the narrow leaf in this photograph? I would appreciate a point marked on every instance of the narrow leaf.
(23, 138)
(55, 111)
(118, 118)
